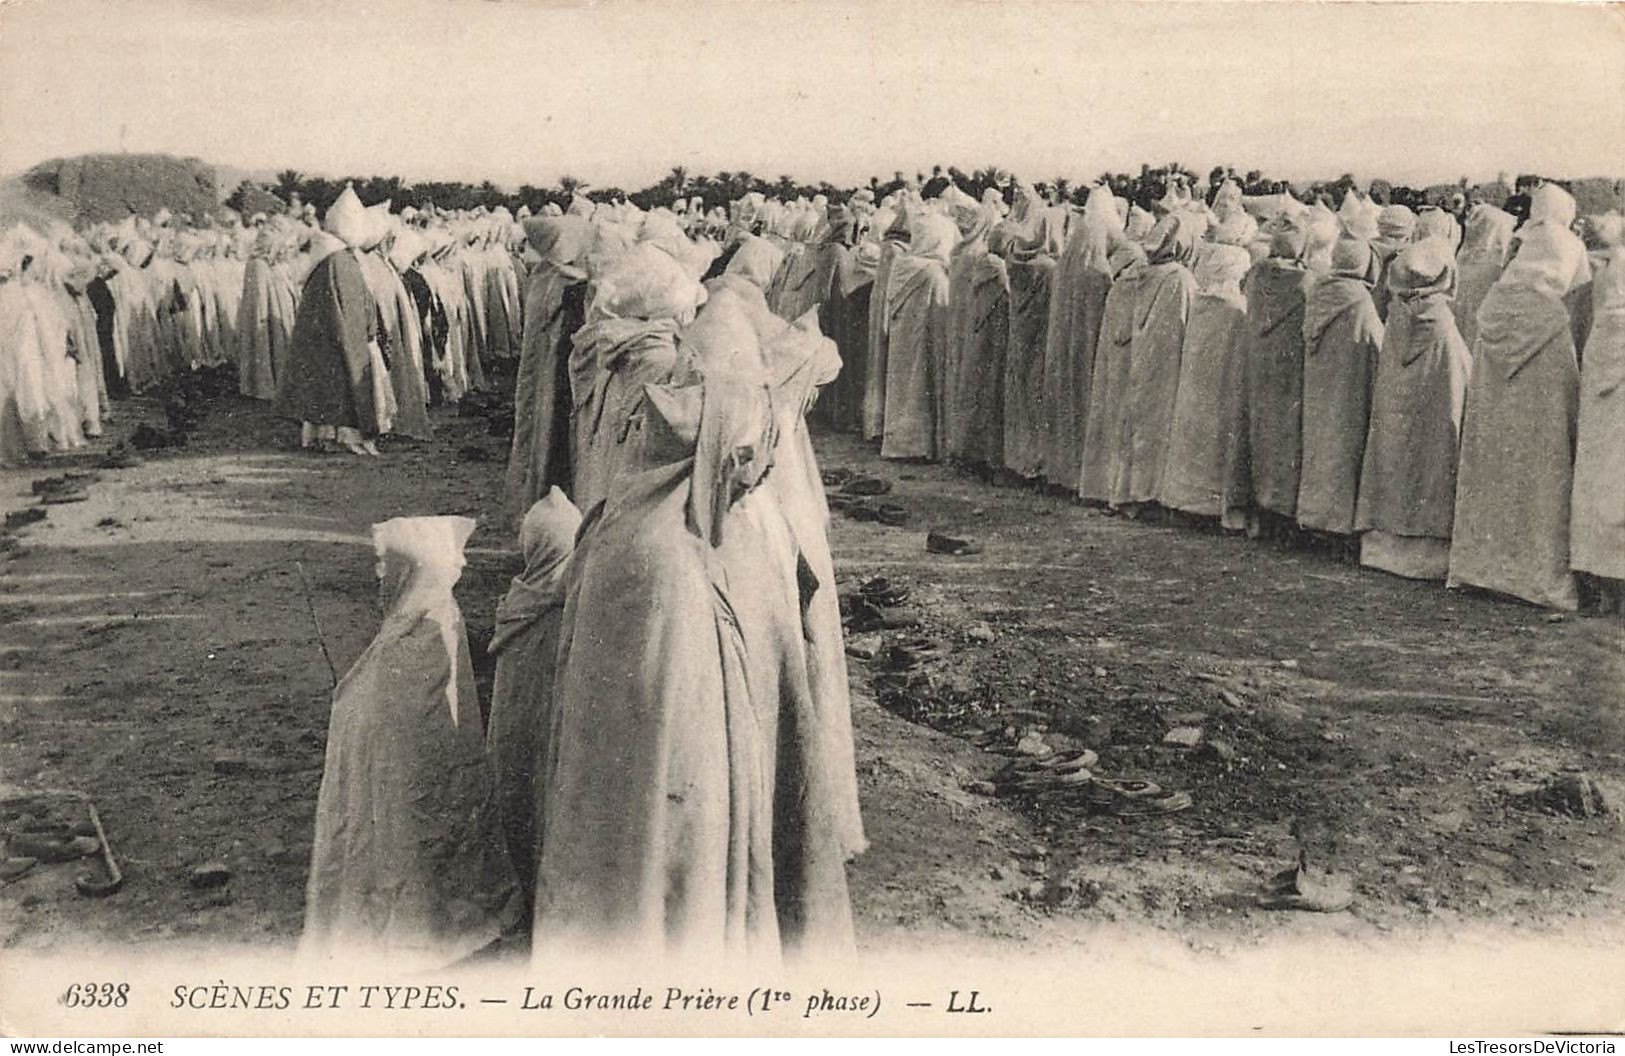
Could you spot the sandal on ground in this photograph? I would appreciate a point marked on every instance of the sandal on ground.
(883, 591)
(861, 485)
(892, 515)
(1300, 889)
(913, 652)
(50, 848)
(937, 543)
(1132, 799)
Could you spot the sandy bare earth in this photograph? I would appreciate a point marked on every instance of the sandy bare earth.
(157, 656)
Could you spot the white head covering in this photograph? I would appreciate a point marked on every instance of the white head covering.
(1608, 227)
(419, 560)
(932, 236)
(1220, 269)
(1551, 204)
(346, 219)
(646, 283)
(1489, 234)
(1358, 216)
(1548, 258)
(1101, 208)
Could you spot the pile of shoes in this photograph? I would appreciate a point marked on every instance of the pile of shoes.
(877, 604)
(856, 498)
(38, 830)
(1048, 775)
(69, 487)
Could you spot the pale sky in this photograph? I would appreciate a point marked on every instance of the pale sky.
(617, 92)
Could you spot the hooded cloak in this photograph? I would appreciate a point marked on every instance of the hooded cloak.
(554, 306)
(1482, 257)
(916, 322)
(409, 861)
(525, 643)
(890, 231)
(1273, 344)
(1082, 281)
(629, 341)
(1036, 239)
(978, 333)
(1408, 477)
(1208, 406)
(673, 826)
(330, 374)
(1105, 461)
(1514, 491)
(1162, 304)
(1597, 528)
(1342, 337)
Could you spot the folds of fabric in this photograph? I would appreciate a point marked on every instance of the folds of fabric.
(525, 642)
(685, 814)
(1342, 337)
(800, 360)
(1597, 528)
(610, 362)
(1105, 462)
(1407, 493)
(1162, 304)
(1206, 407)
(1598, 523)
(915, 417)
(1513, 489)
(262, 333)
(1273, 343)
(329, 375)
(539, 458)
(401, 334)
(1031, 280)
(844, 316)
(409, 861)
(978, 336)
(25, 404)
(874, 391)
(1082, 280)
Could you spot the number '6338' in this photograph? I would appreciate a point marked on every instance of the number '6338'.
(96, 995)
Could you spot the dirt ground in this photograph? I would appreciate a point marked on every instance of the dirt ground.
(157, 655)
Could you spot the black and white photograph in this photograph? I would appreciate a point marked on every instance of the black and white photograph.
(729, 517)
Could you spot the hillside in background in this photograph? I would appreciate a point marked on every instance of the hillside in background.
(93, 188)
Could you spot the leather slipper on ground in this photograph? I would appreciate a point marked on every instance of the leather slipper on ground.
(898, 618)
(118, 458)
(15, 868)
(1132, 799)
(866, 486)
(1149, 806)
(1312, 892)
(862, 511)
(1081, 759)
(892, 514)
(937, 543)
(28, 515)
(53, 848)
(836, 477)
(1056, 781)
(883, 591)
(913, 652)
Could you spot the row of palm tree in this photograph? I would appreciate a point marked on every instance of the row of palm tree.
(1143, 188)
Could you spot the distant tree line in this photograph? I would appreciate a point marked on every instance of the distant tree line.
(1142, 188)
